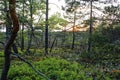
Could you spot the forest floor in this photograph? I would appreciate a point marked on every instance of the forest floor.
(106, 68)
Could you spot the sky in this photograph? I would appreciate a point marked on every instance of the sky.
(55, 6)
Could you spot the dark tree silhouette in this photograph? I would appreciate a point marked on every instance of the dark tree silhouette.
(90, 30)
(22, 33)
(7, 52)
(46, 29)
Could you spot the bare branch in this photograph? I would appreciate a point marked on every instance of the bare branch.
(27, 62)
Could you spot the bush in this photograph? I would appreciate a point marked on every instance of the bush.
(99, 39)
(105, 43)
(109, 32)
(55, 69)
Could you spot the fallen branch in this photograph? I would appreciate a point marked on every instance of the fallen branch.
(24, 60)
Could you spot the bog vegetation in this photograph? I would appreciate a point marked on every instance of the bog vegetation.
(40, 53)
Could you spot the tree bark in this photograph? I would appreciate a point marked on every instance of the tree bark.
(53, 44)
(31, 33)
(73, 41)
(90, 31)
(22, 33)
(46, 28)
(10, 41)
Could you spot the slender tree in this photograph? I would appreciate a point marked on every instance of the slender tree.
(90, 30)
(73, 41)
(22, 32)
(31, 33)
(46, 28)
(72, 7)
(7, 52)
(8, 20)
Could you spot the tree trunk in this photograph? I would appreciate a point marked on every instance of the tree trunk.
(30, 34)
(46, 30)
(10, 41)
(53, 43)
(90, 31)
(73, 41)
(22, 33)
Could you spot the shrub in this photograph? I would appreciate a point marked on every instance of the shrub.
(54, 68)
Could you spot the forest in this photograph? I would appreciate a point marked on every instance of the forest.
(59, 39)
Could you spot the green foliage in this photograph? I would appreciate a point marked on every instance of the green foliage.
(112, 10)
(1, 53)
(99, 39)
(115, 75)
(72, 5)
(55, 69)
(112, 33)
(1, 62)
(20, 71)
(2, 37)
(99, 53)
(105, 48)
(87, 22)
(106, 34)
(54, 20)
